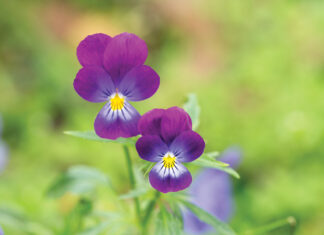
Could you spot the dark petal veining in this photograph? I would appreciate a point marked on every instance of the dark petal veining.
(119, 123)
(187, 146)
(151, 148)
(93, 84)
(139, 83)
(170, 179)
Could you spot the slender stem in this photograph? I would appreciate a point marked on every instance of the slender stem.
(277, 224)
(132, 180)
(149, 209)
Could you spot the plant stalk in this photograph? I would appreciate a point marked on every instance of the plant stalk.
(149, 209)
(132, 181)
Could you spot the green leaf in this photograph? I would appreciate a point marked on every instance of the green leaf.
(91, 135)
(95, 230)
(168, 223)
(149, 168)
(78, 180)
(213, 155)
(17, 221)
(221, 227)
(193, 109)
(205, 161)
(134, 193)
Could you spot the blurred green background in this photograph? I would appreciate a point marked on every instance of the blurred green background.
(257, 68)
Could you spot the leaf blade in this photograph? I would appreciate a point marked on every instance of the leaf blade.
(212, 163)
(221, 227)
(91, 135)
(193, 109)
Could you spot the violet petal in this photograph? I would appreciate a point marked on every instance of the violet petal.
(174, 121)
(170, 179)
(151, 148)
(139, 83)
(124, 52)
(211, 191)
(111, 124)
(188, 146)
(91, 49)
(150, 122)
(93, 84)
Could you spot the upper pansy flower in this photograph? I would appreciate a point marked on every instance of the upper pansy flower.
(212, 191)
(168, 139)
(114, 72)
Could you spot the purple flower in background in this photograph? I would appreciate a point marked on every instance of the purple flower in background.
(3, 152)
(114, 72)
(168, 139)
(212, 191)
(1, 231)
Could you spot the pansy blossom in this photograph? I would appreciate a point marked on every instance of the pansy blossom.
(212, 191)
(113, 71)
(168, 139)
(3, 153)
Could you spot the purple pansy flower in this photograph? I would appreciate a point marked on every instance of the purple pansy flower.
(212, 191)
(168, 139)
(114, 72)
(3, 152)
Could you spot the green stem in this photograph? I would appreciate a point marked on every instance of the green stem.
(150, 208)
(277, 224)
(132, 180)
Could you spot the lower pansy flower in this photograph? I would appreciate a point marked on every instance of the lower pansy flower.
(212, 191)
(168, 140)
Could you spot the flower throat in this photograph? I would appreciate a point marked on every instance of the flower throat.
(117, 102)
(169, 161)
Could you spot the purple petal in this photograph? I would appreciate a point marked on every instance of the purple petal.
(170, 179)
(193, 225)
(91, 49)
(3, 157)
(212, 191)
(93, 84)
(150, 122)
(111, 124)
(151, 148)
(232, 156)
(188, 146)
(174, 121)
(139, 83)
(124, 52)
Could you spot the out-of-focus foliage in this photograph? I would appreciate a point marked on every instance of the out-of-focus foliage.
(257, 70)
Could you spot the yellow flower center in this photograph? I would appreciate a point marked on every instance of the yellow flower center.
(117, 102)
(169, 161)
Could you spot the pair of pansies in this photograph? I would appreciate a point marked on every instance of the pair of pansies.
(113, 72)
